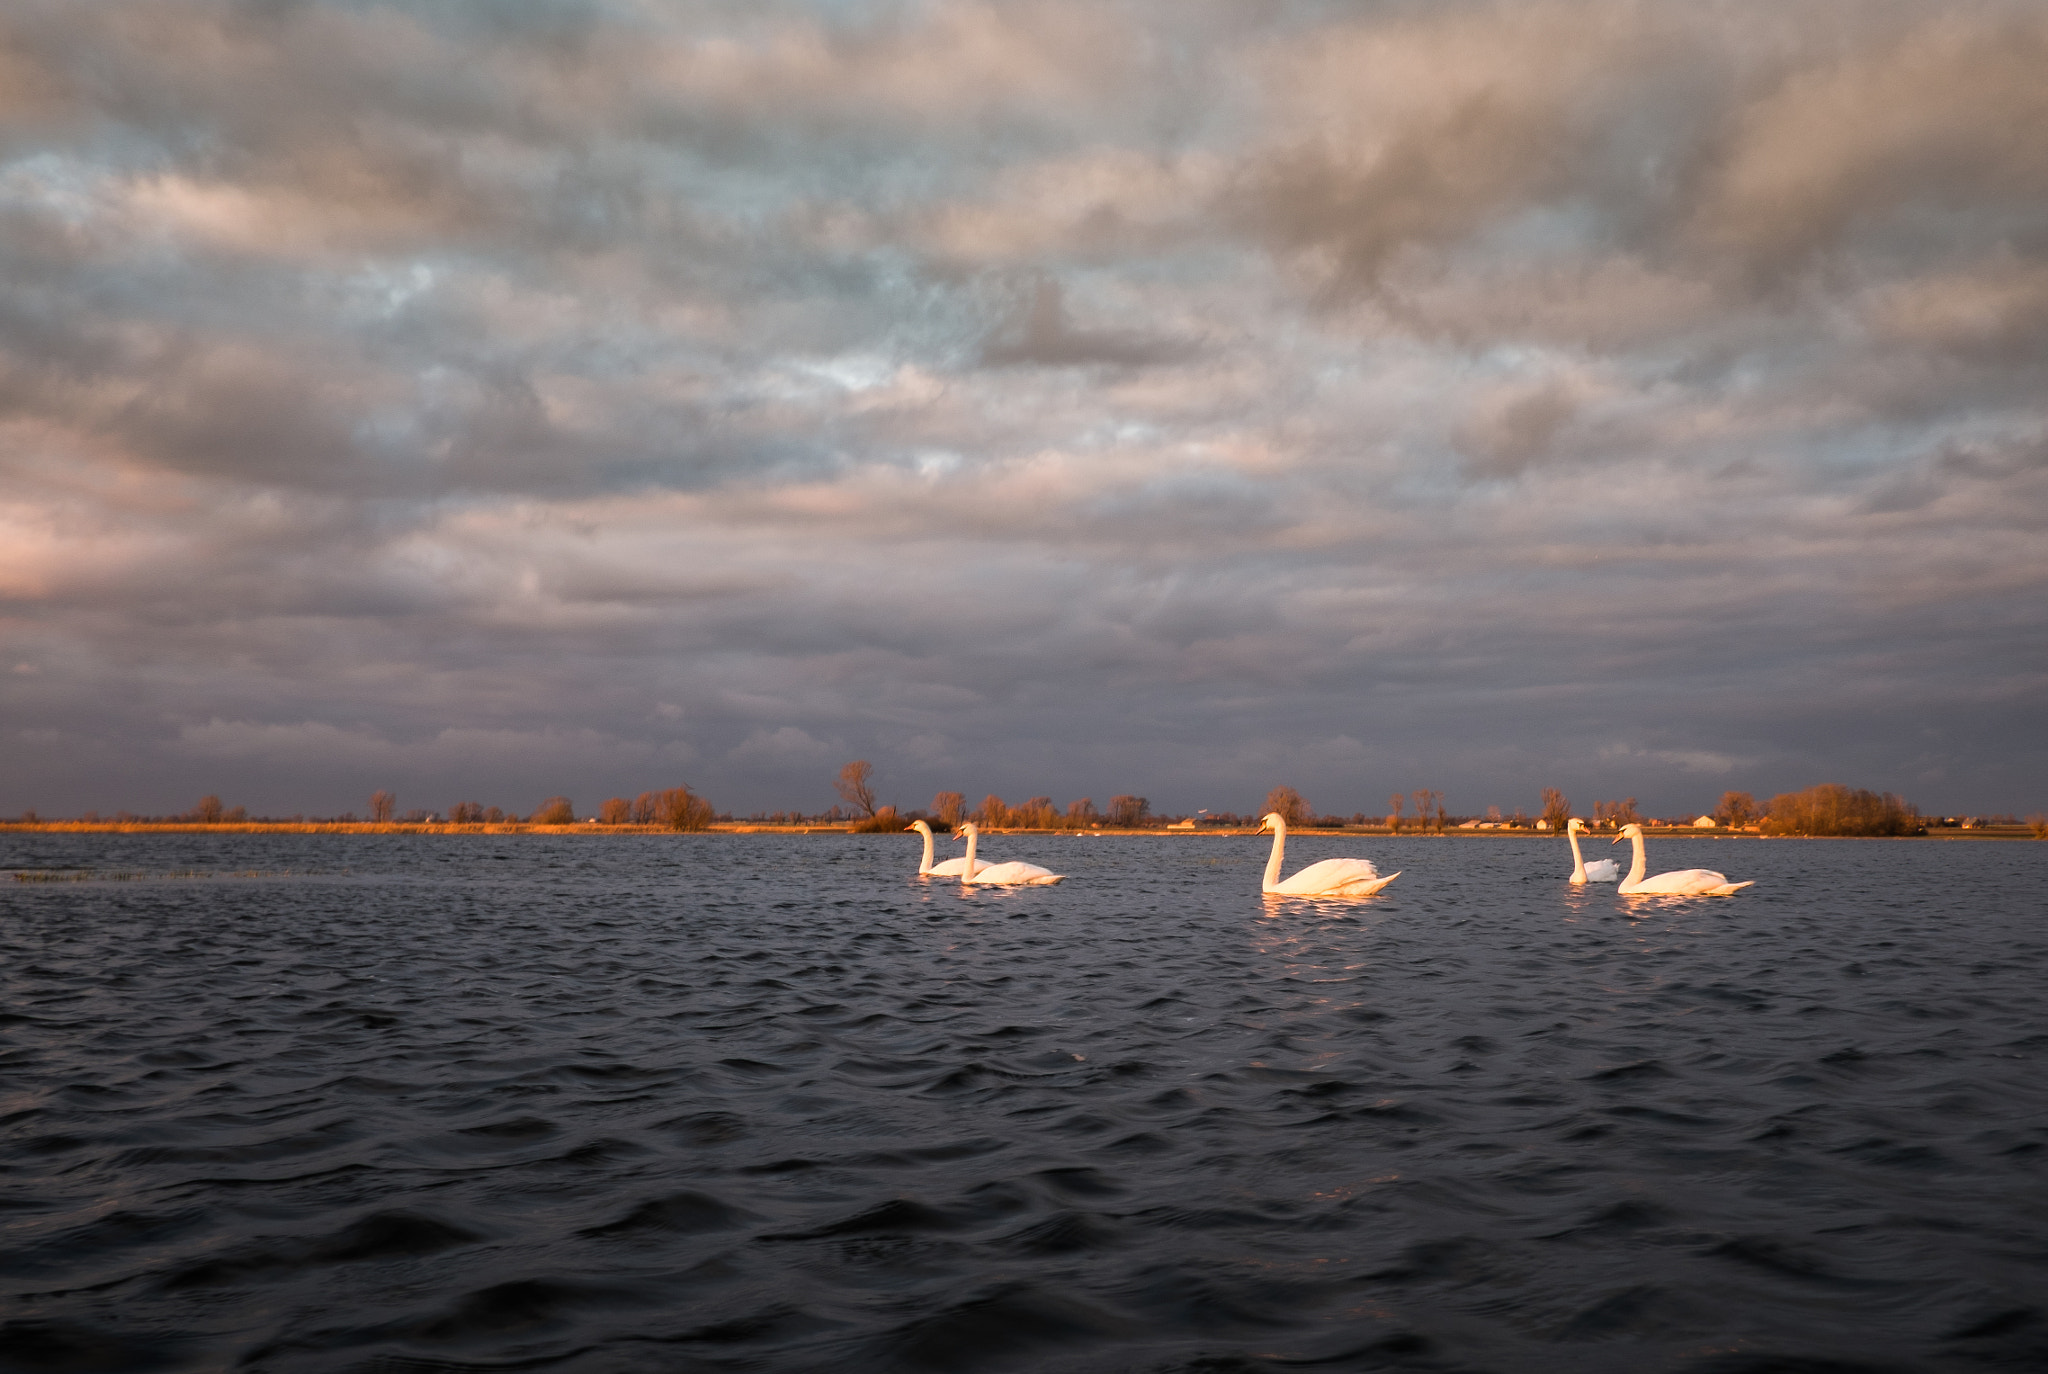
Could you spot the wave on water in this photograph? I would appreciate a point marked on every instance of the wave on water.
(715, 1102)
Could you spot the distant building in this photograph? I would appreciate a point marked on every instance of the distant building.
(1704, 823)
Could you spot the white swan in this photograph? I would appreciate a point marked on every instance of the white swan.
(1598, 871)
(1683, 882)
(951, 868)
(1324, 878)
(1010, 874)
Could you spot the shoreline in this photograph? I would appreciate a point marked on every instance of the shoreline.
(2000, 832)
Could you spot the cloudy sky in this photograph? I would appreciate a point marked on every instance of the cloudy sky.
(496, 399)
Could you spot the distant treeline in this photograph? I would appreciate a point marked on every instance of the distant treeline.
(948, 809)
(1829, 809)
(1832, 809)
(674, 808)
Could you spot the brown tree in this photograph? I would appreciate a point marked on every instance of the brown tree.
(554, 811)
(645, 807)
(466, 813)
(1616, 813)
(1293, 808)
(1427, 802)
(1557, 809)
(678, 808)
(992, 812)
(1127, 811)
(208, 811)
(616, 811)
(947, 806)
(383, 805)
(1394, 805)
(1036, 814)
(1736, 809)
(1832, 809)
(855, 786)
(1082, 813)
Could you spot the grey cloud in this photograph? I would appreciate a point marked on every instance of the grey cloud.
(507, 399)
(1520, 430)
(1041, 335)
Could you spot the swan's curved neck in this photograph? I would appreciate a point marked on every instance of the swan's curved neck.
(1635, 870)
(926, 866)
(1273, 859)
(1578, 859)
(969, 874)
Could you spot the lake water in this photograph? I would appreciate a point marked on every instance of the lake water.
(772, 1103)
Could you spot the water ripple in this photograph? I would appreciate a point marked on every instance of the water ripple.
(722, 1103)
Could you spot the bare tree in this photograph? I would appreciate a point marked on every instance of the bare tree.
(1615, 813)
(1394, 805)
(947, 806)
(1735, 810)
(554, 811)
(1127, 811)
(383, 805)
(1832, 809)
(1557, 810)
(1293, 808)
(993, 811)
(466, 813)
(209, 810)
(1082, 812)
(679, 808)
(855, 786)
(1035, 814)
(1429, 801)
(644, 807)
(616, 811)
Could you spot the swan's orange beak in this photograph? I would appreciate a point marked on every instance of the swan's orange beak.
(1615, 840)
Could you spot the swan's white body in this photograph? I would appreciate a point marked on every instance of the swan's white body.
(951, 868)
(1683, 882)
(1325, 877)
(1012, 874)
(1598, 871)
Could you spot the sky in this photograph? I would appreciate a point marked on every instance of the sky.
(495, 399)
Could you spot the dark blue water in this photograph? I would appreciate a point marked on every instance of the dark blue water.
(758, 1103)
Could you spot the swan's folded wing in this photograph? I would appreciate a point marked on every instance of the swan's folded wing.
(1328, 875)
(1683, 882)
(1013, 873)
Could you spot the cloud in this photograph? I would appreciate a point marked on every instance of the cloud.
(1043, 336)
(514, 399)
(787, 745)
